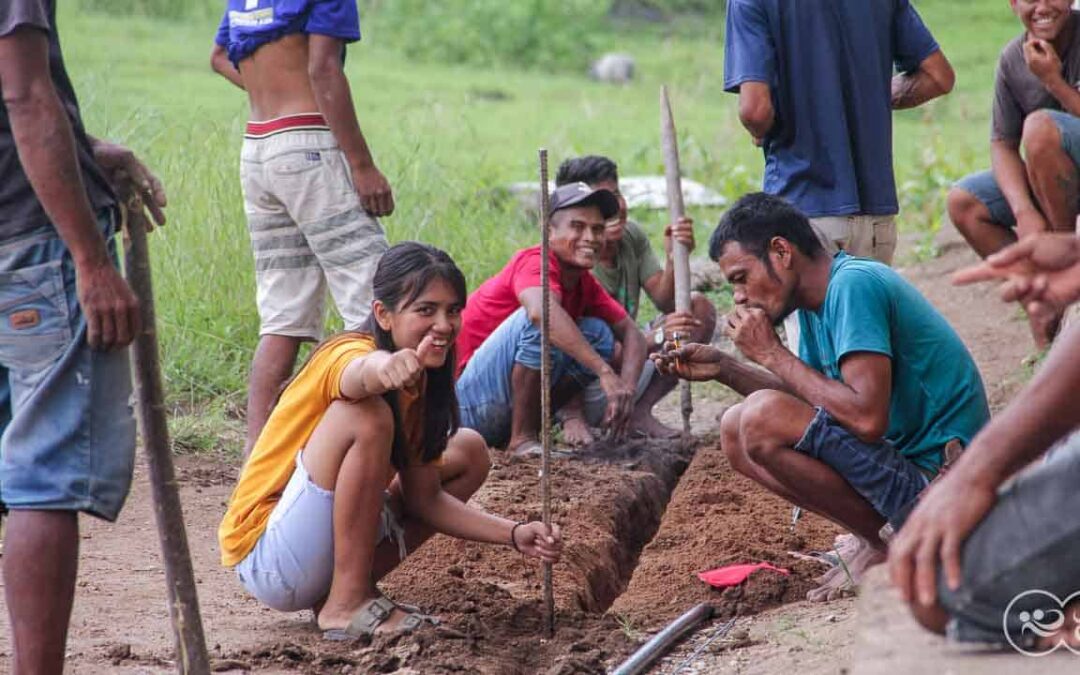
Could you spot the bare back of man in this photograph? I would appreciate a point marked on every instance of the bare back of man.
(277, 79)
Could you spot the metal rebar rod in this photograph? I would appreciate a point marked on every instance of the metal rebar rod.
(680, 253)
(183, 599)
(652, 650)
(545, 385)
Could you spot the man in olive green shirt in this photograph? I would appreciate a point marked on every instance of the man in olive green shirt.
(628, 265)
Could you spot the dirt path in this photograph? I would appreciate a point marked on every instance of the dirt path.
(487, 594)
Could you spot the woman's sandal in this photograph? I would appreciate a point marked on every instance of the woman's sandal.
(374, 613)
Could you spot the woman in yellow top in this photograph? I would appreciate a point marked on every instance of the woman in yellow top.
(362, 459)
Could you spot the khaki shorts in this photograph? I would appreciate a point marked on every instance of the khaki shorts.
(308, 229)
(862, 236)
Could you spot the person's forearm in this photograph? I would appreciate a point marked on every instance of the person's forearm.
(841, 401)
(1011, 177)
(910, 90)
(635, 351)
(935, 77)
(746, 379)
(567, 337)
(448, 515)
(663, 293)
(334, 100)
(1066, 95)
(221, 64)
(1044, 412)
(46, 148)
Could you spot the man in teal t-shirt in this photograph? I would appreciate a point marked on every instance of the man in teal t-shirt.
(856, 429)
(937, 394)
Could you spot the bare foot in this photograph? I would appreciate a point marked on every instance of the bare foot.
(526, 446)
(843, 578)
(847, 545)
(650, 427)
(575, 432)
(1044, 326)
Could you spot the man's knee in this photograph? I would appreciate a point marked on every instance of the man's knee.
(1041, 136)
(932, 618)
(965, 209)
(474, 452)
(599, 336)
(729, 435)
(756, 425)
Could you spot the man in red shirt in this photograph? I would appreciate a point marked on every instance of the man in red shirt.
(498, 348)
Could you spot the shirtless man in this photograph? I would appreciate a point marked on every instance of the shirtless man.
(312, 192)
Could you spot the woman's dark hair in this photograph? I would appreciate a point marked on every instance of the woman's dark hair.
(402, 274)
(755, 219)
(591, 169)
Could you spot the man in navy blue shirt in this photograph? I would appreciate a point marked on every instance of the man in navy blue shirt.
(817, 89)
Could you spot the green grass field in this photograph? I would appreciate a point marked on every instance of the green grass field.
(446, 136)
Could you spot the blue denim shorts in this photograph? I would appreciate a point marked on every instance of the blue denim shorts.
(984, 187)
(68, 435)
(1025, 549)
(877, 471)
(483, 390)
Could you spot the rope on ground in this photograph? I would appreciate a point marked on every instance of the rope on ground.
(720, 631)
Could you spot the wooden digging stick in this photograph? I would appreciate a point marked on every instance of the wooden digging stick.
(545, 386)
(680, 252)
(183, 600)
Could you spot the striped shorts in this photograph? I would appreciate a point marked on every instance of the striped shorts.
(308, 230)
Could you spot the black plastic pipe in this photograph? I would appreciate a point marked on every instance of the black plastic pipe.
(652, 650)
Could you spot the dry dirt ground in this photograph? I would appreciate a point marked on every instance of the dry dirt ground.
(636, 533)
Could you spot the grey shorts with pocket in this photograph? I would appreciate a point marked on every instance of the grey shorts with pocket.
(308, 232)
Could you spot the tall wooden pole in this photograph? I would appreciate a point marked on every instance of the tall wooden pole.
(680, 252)
(545, 385)
(183, 600)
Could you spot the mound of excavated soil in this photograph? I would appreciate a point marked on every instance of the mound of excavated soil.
(718, 517)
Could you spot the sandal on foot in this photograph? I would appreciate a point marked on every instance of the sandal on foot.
(534, 449)
(372, 614)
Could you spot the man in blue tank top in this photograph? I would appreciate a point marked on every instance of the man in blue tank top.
(312, 192)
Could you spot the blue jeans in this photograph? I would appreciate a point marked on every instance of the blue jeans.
(983, 186)
(877, 471)
(68, 436)
(484, 391)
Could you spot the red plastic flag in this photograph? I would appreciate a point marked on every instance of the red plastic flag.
(733, 575)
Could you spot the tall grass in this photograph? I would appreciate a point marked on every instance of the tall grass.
(448, 136)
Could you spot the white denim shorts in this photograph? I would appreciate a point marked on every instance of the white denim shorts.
(292, 564)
